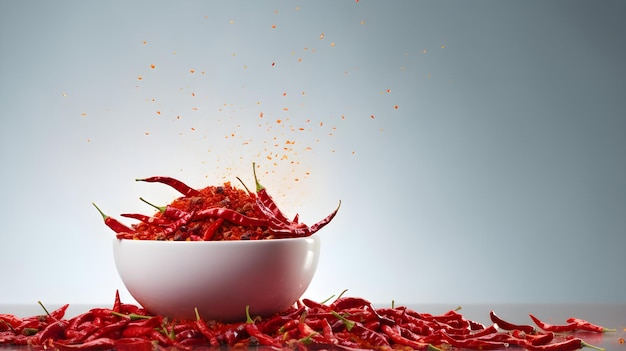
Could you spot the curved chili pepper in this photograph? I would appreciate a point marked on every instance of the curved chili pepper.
(53, 331)
(266, 203)
(582, 324)
(206, 331)
(133, 344)
(93, 345)
(254, 331)
(147, 219)
(231, 216)
(567, 345)
(210, 231)
(474, 343)
(510, 326)
(395, 335)
(360, 331)
(168, 211)
(535, 339)
(113, 223)
(552, 327)
(174, 183)
(300, 229)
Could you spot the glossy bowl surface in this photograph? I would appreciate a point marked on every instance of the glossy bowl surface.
(172, 278)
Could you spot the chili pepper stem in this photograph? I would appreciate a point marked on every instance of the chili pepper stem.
(584, 344)
(44, 307)
(256, 180)
(104, 216)
(159, 208)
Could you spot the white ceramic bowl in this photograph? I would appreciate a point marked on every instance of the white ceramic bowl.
(172, 278)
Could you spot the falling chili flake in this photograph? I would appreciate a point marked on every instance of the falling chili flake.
(322, 36)
(332, 44)
(279, 121)
(158, 112)
(388, 91)
(192, 71)
(139, 78)
(273, 26)
(193, 129)
(285, 108)
(146, 133)
(372, 116)
(395, 107)
(84, 114)
(260, 114)
(193, 94)
(152, 66)
(285, 94)
(145, 42)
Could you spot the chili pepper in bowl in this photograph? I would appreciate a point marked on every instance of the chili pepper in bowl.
(174, 183)
(113, 223)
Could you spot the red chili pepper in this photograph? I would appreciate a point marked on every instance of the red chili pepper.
(113, 223)
(167, 211)
(108, 330)
(9, 321)
(254, 331)
(231, 216)
(210, 231)
(174, 183)
(582, 324)
(53, 331)
(133, 344)
(567, 345)
(299, 229)
(147, 219)
(473, 343)
(510, 326)
(93, 345)
(535, 339)
(360, 331)
(552, 327)
(266, 203)
(206, 331)
(396, 336)
(346, 302)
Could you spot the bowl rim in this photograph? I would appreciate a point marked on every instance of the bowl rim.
(217, 242)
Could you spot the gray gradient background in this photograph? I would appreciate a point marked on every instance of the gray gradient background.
(499, 177)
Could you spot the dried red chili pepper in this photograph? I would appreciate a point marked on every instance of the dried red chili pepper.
(113, 223)
(167, 211)
(360, 331)
(300, 229)
(582, 324)
(510, 326)
(231, 216)
(174, 183)
(53, 331)
(254, 331)
(266, 203)
(210, 231)
(552, 327)
(535, 339)
(147, 219)
(206, 331)
(133, 344)
(395, 335)
(93, 345)
(567, 345)
(477, 344)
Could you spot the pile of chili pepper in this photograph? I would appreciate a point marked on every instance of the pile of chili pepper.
(346, 322)
(213, 213)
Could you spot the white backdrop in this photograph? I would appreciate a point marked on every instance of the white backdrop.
(478, 147)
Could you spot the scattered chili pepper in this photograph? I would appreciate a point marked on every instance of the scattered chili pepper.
(582, 324)
(348, 322)
(147, 219)
(113, 223)
(174, 183)
(567, 345)
(552, 327)
(510, 326)
(254, 331)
